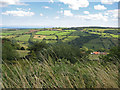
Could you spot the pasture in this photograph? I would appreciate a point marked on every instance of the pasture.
(70, 30)
(16, 32)
(63, 33)
(47, 32)
(51, 37)
(23, 38)
(5, 34)
(96, 38)
(70, 38)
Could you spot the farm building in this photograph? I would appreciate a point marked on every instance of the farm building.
(99, 53)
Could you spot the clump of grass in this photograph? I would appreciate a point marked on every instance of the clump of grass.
(61, 74)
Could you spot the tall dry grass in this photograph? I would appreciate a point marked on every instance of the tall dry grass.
(62, 74)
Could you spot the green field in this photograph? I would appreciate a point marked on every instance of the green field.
(63, 33)
(88, 37)
(80, 33)
(105, 34)
(17, 32)
(50, 41)
(5, 34)
(23, 38)
(47, 32)
(61, 37)
(70, 38)
(115, 36)
(51, 37)
(70, 30)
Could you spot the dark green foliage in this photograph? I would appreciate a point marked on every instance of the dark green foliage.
(113, 56)
(101, 50)
(36, 48)
(66, 51)
(8, 50)
(22, 48)
(112, 32)
(83, 39)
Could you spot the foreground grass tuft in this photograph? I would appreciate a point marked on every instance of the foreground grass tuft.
(62, 74)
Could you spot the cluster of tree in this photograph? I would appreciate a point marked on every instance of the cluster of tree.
(113, 56)
(9, 50)
(112, 32)
(58, 51)
(82, 40)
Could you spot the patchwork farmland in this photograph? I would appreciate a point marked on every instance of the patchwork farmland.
(92, 38)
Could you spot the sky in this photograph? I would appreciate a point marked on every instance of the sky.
(59, 13)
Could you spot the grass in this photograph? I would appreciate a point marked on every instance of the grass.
(61, 37)
(115, 36)
(46, 32)
(70, 30)
(63, 33)
(70, 38)
(5, 34)
(51, 37)
(62, 74)
(22, 53)
(50, 41)
(16, 32)
(94, 57)
(39, 40)
(100, 30)
(10, 36)
(23, 38)
(23, 44)
(80, 33)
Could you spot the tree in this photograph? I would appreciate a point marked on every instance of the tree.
(36, 48)
(8, 50)
(113, 56)
(84, 49)
(65, 51)
(89, 51)
(22, 48)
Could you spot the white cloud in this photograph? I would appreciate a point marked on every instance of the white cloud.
(46, 16)
(18, 13)
(60, 11)
(57, 17)
(98, 16)
(46, 7)
(86, 12)
(76, 4)
(109, 1)
(100, 7)
(19, 8)
(4, 3)
(29, 9)
(41, 14)
(113, 13)
(67, 13)
(51, 1)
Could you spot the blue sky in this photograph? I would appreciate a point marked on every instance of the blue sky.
(59, 13)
